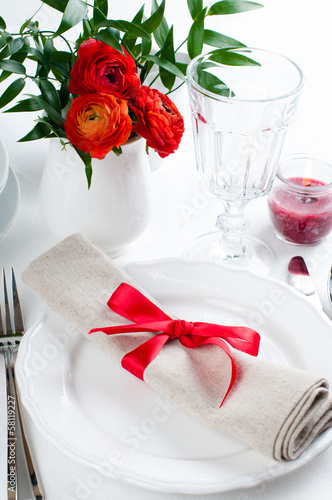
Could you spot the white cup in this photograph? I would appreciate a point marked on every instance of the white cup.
(4, 165)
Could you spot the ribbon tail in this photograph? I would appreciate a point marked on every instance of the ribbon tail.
(192, 341)
(138, 359)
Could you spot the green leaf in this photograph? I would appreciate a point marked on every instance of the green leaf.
(107, 36)
(160, 34)
(87, 29)
(117, 151)
(38, 132)
(22, 54)
(59, 71)
(7, 36)
(25, 25)
(2, 24)
(136, 51)
(139, 16)
(40, 57)
(102, 5)
(166, 65)
(196, 38)
(13, 67)
(61, 64)
(134, 30)
(53, 115)
(182, 67)
(50, 94)
(127, 40)
(75, 11)
(213, 84)
(130, 28)
(18, 57)
(64, 94)
(48, 48)
(195, 7)
(146, 47)
(2, 42)
(5, 75)
(167, 53)
(216, 39)
(88, 165)
(53, 131)
(15, 45)
(145, 70)
(100, 11)
(224, 7)
(153, 22)
(57, 4)
(4, 53)
(230, 58)
(25, 105)
(12, 91)
(34, 28)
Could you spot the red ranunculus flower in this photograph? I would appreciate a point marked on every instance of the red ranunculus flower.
(95, 123)
(100, 68)
(159, 121)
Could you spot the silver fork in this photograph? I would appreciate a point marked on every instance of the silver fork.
(10, 337)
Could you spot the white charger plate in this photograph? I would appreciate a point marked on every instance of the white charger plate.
(101, 416)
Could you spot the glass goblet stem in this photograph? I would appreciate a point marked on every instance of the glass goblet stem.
(232, 225)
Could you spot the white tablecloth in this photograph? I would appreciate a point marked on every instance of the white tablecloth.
(299, 29)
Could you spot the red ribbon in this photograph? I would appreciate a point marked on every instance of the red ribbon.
(147, 317)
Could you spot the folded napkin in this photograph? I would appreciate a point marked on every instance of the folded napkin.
(275, 409)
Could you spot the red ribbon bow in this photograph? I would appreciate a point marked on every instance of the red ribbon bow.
(147, 317)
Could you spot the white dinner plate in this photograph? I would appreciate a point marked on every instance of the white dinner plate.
(9, 198)
(101, 416)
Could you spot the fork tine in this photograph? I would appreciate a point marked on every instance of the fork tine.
(7, 311)
(18, 319)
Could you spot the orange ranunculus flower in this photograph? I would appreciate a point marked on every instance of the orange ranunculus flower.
(100, 68)
(95, 123)
(159, 121)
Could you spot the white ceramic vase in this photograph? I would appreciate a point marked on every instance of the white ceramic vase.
(113, 212)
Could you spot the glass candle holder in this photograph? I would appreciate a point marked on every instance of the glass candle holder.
(300, 202)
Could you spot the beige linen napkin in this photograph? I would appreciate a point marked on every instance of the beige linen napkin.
(276, 410)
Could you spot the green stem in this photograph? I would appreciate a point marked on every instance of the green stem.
(53, 130)
(60, 36)
(96, 8)
(34, 78)
(132, 55)
(181, 44)
(173, 90)
(155, 78)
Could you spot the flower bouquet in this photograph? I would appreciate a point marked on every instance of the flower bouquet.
(95, 92)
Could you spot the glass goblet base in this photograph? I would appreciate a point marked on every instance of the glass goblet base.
(253, 253)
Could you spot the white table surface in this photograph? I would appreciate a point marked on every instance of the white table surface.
(299, 29)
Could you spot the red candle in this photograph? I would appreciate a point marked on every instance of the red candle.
(301, 207)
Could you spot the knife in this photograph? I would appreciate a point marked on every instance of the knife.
(299, 278)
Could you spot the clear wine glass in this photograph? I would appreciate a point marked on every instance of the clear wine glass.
(241, 103)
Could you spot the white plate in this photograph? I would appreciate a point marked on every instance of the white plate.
(9, 198)
(100, 415)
